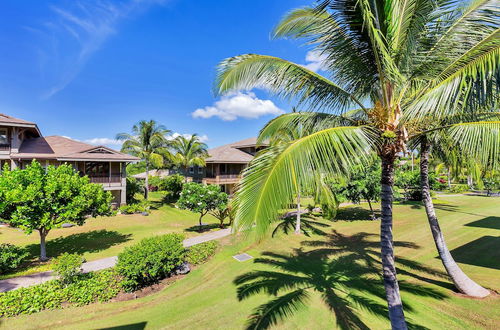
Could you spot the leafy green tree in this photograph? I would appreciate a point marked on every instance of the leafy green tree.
(202, 199)
(42, 199)
(362, 183)
(148, 142)
(399, 65)
(189, 151)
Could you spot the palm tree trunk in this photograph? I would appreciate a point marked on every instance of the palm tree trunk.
(297, 222)
(146, 190)
(391, 285)
(371, 209)
(462, 282)
(449, 178)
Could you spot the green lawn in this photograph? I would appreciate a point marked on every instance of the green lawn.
(206, 299)
(105, 236)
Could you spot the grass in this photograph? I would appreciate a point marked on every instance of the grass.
(206, 298)
(104, 236)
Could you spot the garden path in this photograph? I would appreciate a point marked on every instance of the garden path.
(38, 278)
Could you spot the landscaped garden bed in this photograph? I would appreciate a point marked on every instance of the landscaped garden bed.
(142, 269)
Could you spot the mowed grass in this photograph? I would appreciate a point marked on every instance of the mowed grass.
(206, 298)
(105, 236)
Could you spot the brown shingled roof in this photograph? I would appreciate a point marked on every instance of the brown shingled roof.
(5, 119)
(229, 153)
(63, 148)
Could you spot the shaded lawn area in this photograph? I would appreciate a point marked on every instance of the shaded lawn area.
(206, 298)
(104, 236)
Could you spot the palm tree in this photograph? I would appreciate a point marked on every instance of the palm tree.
(148, 142)
(398, 62)
(189, 151)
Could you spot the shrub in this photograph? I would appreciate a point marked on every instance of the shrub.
(11, 257)
(134, 186)
(68, 267)
(199, 253)
(172, 186)
(86, 289)
(459, 188)
(150, 260)
(144, 206)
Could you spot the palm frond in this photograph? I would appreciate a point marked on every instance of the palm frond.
(284, 79)
(268, 184)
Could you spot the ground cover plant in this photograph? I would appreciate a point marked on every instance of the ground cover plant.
(200, 253)
(207, 298)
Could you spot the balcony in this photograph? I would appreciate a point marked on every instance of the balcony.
(106, 179)
(223, 178)
(4, 147)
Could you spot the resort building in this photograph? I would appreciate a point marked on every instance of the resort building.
(225, 163)
(21, 142)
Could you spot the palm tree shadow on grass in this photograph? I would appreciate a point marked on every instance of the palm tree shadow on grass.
(308, 225)
(346, 282)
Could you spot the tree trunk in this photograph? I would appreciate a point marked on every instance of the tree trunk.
(462, 282)
(43, 251)
(297, 222)
(146, 190)
(391, 285)
(371, 209)
(449, 178)
(200, 224)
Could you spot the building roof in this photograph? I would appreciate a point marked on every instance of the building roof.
(230, 153)
(65, 149)
(6, 120)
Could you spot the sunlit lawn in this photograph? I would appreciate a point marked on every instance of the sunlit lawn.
(106, 236)
(206, 298)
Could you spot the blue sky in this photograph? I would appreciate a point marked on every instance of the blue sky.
(90, 69)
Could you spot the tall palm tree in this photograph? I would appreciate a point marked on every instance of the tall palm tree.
(189, 151)
(398, 62)
(148, 142)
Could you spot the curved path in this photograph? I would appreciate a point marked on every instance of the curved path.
(38, 278)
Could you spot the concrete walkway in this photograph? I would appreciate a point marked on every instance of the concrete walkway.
(38, 278)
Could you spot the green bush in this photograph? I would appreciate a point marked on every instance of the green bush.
(134, 186)
(150, 260)
(144, 206)
(459, 188)
(11, 257)
(172, 186)
(199, 253)
(68, 267)
(86, 289)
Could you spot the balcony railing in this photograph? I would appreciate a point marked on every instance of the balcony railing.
(4, 147)
(223, 178)
(113, 178)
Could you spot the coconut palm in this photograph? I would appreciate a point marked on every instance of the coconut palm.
(398, 62)
(148, 142)
(188, 151)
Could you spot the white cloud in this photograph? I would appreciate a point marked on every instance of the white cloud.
(245, 105)
(315, 61)
(203, 138)
(103, 141)
(76, 33)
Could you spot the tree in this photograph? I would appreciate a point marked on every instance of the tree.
(42, 199)
(148, 142)
(172, 186)
(395, 63)
(202, 199)
(363, 183)
(189, 151)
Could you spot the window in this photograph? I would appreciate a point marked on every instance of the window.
(200, 170)
(191, 169)
(97, 169)
(3, 136)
